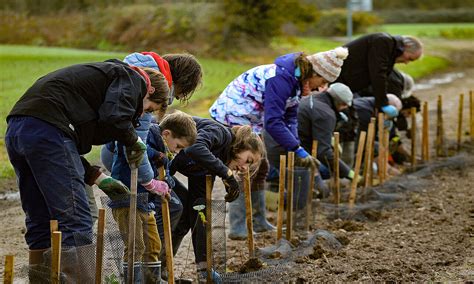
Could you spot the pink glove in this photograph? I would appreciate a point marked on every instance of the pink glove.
(157, 187)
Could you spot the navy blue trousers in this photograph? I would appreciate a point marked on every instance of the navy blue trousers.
(50, 176)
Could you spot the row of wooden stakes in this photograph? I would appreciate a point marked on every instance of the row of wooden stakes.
(365, 145)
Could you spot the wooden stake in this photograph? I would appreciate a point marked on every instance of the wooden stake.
(368, 153)
(471, 117)
(355, 180)
(337, 184)
(165, 213)
(53, 227)
(386, 138)
(8, 273)
(425, 150)
(413, 137)
(56, 257)
(132, 226)
(289, 195)
(309, 202)
(248, 213)
(439, 128)
(209, 252)
(460, 116)
(372, 158)
(99, 255)
(281, 196)
(381, 157)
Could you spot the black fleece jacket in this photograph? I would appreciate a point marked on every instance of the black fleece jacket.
(93, 103)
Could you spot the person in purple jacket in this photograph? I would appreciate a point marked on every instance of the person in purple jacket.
(266, 97)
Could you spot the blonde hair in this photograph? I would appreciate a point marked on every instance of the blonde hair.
(245, 139)
(181, 125)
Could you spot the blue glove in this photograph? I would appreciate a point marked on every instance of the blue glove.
(301, 153)
(303, 159)
(390, 111)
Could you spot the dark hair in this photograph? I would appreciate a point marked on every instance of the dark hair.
(186, 72)
(162, 90)
(410, 102)
(305, 66)
(181, 125)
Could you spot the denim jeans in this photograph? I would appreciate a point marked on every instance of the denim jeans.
(50, 176)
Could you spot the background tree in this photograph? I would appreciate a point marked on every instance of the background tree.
(253, 23)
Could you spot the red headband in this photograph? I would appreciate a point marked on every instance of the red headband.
(163, 65)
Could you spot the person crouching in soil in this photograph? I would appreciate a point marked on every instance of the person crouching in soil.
(218, 151)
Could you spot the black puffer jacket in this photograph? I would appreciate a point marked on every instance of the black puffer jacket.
(209, 154)
(371, 59)
(92, 103)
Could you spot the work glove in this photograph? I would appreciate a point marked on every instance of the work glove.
(390, 111)
(158, 187)
(304, 159)
(135, 153)
(351, 176)
(114, 189)
(231, 187)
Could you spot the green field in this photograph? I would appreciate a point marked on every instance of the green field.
(22, 65)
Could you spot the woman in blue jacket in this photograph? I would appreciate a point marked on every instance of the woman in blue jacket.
(266, 98)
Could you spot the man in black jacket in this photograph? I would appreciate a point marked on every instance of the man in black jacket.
(58, 119)
(370, 61)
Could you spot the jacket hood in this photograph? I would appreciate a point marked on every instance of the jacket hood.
(287, 62)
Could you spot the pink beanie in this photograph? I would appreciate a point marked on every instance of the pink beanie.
(328, 63)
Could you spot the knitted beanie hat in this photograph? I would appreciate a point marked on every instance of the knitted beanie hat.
(341, 92)
(328, 63)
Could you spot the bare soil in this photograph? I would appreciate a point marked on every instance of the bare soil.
(430, 237)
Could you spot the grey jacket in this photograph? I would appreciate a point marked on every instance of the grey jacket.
(317, 121)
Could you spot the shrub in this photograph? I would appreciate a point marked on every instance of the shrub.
(457, 33)
(240, 25)
(334, 23)
(464, 15)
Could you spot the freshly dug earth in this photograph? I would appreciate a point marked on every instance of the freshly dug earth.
(428, 238)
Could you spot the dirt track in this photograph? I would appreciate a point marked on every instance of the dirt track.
(429, 238)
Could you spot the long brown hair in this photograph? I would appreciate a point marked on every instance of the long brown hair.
(245, 139)
(305, 66)
(186, 72)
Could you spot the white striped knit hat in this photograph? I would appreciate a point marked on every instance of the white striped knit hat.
(328, 63)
